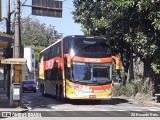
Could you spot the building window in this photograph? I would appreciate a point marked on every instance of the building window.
(32, 64)
(26, 77)
(32, 56)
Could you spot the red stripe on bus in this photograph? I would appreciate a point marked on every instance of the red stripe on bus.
(55, 62)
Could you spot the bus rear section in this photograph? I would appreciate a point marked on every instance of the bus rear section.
(50, 70)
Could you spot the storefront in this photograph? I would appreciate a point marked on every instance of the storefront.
(5, 42)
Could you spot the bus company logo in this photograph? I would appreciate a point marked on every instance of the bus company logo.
(49, 64)
(92, 60)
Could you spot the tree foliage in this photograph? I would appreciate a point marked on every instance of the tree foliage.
(37, 34)
(133, 26)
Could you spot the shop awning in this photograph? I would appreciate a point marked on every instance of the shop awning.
(5, 40)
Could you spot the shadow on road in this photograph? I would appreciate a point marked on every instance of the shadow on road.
(37, 101)
(114, 101)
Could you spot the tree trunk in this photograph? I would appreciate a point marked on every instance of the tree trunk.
(149, 77)
(131, 71)
(155, 83)
(147, 68)
(125, 64)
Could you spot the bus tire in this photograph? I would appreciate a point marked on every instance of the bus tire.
(62, 98)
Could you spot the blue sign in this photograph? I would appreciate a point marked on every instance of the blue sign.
(94, 79)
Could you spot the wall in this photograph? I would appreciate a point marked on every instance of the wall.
(30, 56)
(1, 78)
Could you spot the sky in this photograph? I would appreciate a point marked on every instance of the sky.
(64, 25)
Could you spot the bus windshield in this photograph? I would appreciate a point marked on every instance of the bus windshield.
(91, 72)
(91, 45)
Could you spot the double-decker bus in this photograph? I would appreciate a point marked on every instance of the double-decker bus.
(77, 67)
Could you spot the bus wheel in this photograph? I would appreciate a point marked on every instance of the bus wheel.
(62, 98)
(61, 95)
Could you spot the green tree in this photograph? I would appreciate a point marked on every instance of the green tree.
(132, 26)
(37, 34)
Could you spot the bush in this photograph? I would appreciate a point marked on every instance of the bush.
(130, 89)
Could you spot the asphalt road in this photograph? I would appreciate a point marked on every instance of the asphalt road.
(117, 108)
(36, 102)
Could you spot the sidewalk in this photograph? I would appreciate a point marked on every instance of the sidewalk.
(4, 101)
(145, 101)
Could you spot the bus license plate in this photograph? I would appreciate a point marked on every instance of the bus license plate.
(92, 96)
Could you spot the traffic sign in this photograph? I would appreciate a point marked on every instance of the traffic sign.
(14, 61)
(50, 8)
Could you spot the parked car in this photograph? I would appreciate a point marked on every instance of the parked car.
(29, 85)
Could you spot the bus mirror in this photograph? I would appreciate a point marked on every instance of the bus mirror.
(117, 62)
(68, 61)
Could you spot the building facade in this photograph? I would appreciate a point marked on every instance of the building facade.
(29, 69)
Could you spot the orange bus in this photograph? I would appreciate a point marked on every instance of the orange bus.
(77, 67)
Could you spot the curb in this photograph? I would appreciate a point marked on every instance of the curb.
(14, 109)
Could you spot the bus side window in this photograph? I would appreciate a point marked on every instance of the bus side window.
(59, 74)
(59, 49)
(50, 52)
(53, 51)
(66, 46)
(44, 57)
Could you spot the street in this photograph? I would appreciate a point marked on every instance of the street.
(51, 108)
(36, 102)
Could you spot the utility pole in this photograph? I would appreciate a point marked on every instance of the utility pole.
(17, 69)
(8, 16)
(17, 42)
(7, 50)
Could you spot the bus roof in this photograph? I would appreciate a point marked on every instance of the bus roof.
(87, 36)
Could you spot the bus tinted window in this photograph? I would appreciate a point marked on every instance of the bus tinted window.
(91, 72)
(91, 45)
